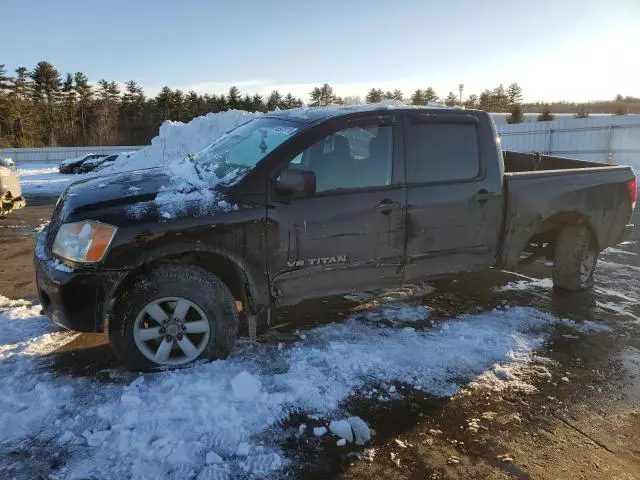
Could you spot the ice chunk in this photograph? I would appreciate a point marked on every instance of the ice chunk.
(95, 438)
(214, 472)
(262, 465)
(245, 386)
(341, 443)
(213, 457)
(319, 431)
(69, 438)
(243, 449)
(302, 428)
(360, 430)
(342, 429)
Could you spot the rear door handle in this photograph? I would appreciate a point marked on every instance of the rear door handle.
(483, 196)
(386, 206)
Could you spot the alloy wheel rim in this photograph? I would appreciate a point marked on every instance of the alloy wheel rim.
(171, 331)
(587, 265)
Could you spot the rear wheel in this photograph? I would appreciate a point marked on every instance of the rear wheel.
(172, 316)
(576, 256)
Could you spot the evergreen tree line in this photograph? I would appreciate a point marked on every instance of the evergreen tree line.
(43, 108)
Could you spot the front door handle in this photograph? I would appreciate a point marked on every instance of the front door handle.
(386, 206)
(483, 196)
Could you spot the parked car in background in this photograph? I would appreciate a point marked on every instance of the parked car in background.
(96, 163)
(10, 192)
(72, 165)
(101, 163)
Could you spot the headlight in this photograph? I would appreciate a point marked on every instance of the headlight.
(85, 242)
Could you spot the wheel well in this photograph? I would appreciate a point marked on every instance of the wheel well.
(549, 230)
(224, 268)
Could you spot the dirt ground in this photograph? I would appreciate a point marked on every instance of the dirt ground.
(582, 421)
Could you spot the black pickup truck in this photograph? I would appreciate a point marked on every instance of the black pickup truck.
(169, 262)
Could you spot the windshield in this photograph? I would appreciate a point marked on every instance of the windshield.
(242, 148)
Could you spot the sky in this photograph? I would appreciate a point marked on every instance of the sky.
(575, 50)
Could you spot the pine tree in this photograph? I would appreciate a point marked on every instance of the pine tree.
(514, 93)
(499, 99)
(484, 101)
(546, 115)
(417, 98)
(132, 113)
(46, 94)
(163, 103)
(430, 95)
(516, 115)
(233, 99)
(388, 95)
(322, 96)
(451, 100)
(257, 104)
(582, 112)
(69, 116)
(20, 112)
(85, 100)
(178, 110)
(106, 113)
(274, 101)
(246, 103)
(398, 95)
(288, 101)
(471, 102)
(5, 126)
(374, 96)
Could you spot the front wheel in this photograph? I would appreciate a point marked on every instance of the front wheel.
(576, 255)
(172, 316)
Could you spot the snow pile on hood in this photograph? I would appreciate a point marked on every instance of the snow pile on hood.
(176, 140)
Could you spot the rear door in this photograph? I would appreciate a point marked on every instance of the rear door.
(454, 197)
(350, 234)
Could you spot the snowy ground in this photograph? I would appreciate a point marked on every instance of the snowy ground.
(224, 419)
(43, 179)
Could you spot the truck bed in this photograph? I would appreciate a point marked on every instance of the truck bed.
(542, 192)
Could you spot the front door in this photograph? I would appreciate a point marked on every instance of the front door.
(349, 234)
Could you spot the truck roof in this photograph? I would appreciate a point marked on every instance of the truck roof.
(309, 115)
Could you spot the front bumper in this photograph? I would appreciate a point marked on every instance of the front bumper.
(19, 202)
(75, 300)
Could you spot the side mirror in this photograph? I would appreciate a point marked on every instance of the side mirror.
(294, 183)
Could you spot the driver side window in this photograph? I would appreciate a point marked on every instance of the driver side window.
(357, 157)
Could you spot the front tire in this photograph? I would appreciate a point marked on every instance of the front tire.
(171, 316)
(576, 256)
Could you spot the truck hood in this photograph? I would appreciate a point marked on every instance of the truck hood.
(116, 189)
(153, 191)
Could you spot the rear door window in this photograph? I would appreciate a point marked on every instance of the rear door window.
(442, 152)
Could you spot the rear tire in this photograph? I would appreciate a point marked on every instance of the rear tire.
(208, 299)
(576, 256)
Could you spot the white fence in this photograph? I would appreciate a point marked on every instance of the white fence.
(610, 139)
(57, 154)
